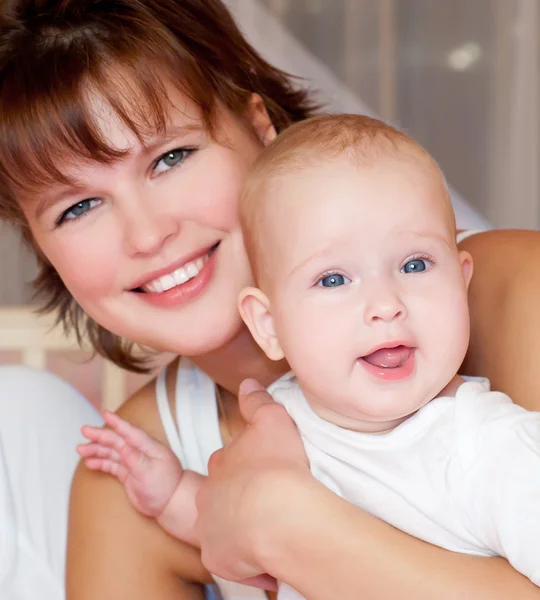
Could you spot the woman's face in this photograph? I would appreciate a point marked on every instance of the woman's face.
(150, 246)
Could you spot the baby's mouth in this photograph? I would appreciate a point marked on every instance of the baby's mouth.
(389, 358)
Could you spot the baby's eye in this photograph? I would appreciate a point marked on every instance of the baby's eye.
(416, 265)
(78, 210)
(334, 280)
(171, 159)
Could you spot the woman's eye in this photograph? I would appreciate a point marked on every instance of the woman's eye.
(416, 265)
(334, 280)
(78, 210)
(171, 159)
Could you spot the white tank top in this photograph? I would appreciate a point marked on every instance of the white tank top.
(467, 233)
(193, 436)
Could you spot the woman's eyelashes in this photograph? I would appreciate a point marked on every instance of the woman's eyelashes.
(77, 210)
(171, 159)
(167, 161)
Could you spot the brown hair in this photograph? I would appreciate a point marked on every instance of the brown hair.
(52, 50)
(314, 141)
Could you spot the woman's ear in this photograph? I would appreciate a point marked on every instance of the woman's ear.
(260, 119)
(254, 308)
(466, 266)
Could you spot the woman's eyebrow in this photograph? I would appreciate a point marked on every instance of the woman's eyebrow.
(50, 199)
(171, 133)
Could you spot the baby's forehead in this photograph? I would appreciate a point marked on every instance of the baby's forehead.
(317, 177)
(331, 191)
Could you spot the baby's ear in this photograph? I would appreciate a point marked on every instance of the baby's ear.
(254, 308)
(466, 266)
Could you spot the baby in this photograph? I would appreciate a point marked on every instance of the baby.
(360, 285)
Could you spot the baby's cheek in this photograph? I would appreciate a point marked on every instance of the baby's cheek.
(292, 329)
(448, 327)
(307, 341)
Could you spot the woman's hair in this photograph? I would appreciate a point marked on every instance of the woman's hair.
(53, 51)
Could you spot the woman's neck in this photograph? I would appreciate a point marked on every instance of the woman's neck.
(240, 358)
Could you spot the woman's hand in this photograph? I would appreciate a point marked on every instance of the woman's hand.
(247, 491)
(261, 510)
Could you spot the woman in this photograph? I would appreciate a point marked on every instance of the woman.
(126, 130)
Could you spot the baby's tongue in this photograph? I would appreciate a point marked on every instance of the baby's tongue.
(389, 358)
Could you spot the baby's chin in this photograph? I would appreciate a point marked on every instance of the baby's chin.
(382, 409)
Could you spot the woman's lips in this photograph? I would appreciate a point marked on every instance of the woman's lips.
(142, 283)
(185, 292)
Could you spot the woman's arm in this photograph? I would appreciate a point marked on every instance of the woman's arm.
(260, 510)
(335, 550)
(504, 300)
(113, 551)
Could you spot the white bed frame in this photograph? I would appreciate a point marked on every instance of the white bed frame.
(33, 336)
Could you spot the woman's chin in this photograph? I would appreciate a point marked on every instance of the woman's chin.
(200, 328)
(211, 337)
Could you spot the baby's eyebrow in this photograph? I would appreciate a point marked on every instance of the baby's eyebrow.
(312, 257)
(437, 238)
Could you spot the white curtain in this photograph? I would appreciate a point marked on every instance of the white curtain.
(514, 182)
(462, 77)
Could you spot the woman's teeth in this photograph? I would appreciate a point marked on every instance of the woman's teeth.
(178, 277)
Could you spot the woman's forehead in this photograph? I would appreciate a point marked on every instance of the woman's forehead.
(97, 120)
(179, 115)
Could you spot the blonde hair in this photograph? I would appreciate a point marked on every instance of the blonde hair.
(358, 138)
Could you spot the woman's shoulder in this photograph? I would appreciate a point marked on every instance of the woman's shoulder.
(505, 321)
(141, 409)
(507, 244)
(103, 526)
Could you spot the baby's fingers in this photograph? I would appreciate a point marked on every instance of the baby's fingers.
(107, 466)
(103, 437)
(134, 436)
(97, 451)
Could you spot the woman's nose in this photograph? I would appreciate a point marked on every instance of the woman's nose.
(146, 229)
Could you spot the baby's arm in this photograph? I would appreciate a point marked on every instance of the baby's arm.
(504, 495)
(152, 476)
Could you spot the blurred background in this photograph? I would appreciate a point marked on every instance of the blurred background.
(461, 76)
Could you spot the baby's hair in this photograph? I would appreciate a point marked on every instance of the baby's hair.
(315, 141)
(52, 52)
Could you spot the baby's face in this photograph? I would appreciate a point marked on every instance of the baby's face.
(367, 290)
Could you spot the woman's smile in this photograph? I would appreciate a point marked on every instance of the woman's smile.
(180, 285)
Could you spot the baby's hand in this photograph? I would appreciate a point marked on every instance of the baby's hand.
(148, 470)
